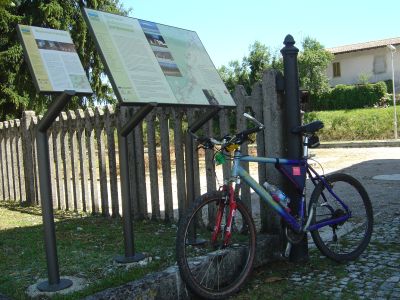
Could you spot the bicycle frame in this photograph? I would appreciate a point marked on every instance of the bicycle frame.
(238, 172)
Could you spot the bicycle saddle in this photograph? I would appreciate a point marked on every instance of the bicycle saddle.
(309, 128)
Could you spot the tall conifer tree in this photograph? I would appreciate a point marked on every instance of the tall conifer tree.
(17, 92)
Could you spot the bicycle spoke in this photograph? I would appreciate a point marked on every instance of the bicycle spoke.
(215, 268)
(347, 239)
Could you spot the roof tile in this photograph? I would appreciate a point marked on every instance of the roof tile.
(364, 46)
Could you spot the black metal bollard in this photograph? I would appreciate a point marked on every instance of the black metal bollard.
(293, 142)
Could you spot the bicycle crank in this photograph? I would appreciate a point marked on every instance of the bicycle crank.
(293, 236)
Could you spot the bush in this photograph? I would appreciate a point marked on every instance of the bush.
(389, 86)
(354, 124)
(350, 96)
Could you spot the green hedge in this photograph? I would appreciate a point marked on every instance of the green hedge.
(389, 85)
(355, 124)
(350, 96)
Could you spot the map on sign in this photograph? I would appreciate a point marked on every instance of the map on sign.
(150, 62)
(52, 60)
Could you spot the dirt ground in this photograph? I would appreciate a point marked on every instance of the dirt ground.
(367, 165)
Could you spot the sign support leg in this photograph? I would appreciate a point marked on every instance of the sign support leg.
(54, 282)
(130, 255)
(190, 196)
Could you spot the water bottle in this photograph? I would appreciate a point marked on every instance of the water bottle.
(278, 195)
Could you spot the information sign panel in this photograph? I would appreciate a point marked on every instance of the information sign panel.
(52, 60)
(150, 62)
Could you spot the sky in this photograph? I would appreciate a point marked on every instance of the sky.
(228, 27)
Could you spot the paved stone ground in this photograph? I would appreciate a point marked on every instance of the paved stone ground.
(376, 274)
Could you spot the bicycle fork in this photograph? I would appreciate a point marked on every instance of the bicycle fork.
(228, 198)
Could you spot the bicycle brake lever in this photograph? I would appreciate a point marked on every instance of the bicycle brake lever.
(254, 120)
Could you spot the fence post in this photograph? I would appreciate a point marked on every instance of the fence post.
(58, 163)
(241, 99)
(81, 137)
(92, 162)
(273, 142)
(20, 160)
(141, 194)
(298, 252)
(101, 157)
(72, 132)
(14, 159)
(2, 175)
(66, 161)
(153, 170)
(110, 125)
(28, 157)
(179, 161)
(166, 165)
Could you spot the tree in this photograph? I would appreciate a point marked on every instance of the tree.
(249, 70)
(313, 61)
(17, 92)
(257, 61)
(234, 74)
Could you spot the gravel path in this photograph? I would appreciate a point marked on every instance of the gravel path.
(376, 274)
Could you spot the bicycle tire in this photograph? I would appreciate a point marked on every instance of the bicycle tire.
(201, 266)
(345, 241)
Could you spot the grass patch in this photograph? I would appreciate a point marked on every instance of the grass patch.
(86, 247)
(355, 124)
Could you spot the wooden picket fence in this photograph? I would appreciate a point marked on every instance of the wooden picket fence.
(84, 156)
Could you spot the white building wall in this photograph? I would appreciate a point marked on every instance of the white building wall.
(353, 64)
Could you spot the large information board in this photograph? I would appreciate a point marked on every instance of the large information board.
(53, 61)
(150, 62)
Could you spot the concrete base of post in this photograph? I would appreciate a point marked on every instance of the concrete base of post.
(46, 286)
(70, 284)
(129, 259)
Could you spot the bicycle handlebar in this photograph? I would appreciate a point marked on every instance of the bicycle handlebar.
(239, 138)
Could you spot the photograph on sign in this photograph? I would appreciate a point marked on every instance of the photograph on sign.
(150, 62)
(53, 61)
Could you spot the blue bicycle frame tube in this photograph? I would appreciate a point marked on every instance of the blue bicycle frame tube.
(237, 170)
(326, 184)
(268, 160)
(330, 191)
(328, 222)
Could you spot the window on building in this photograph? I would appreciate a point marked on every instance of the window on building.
(336, 69)
(379, 64)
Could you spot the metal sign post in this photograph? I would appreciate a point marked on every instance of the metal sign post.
(189, 152)
(130, 255)
(54, 282)
(190, 192)
(35, 42)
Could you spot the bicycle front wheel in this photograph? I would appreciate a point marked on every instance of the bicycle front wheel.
(210, 269)
(348, 239)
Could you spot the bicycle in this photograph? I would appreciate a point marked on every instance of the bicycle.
(216, 239)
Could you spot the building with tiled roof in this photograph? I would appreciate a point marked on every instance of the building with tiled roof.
(365, 46)
(372, 60)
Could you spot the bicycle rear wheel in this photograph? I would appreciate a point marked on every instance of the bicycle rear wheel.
(211, 270)
(347, 240)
